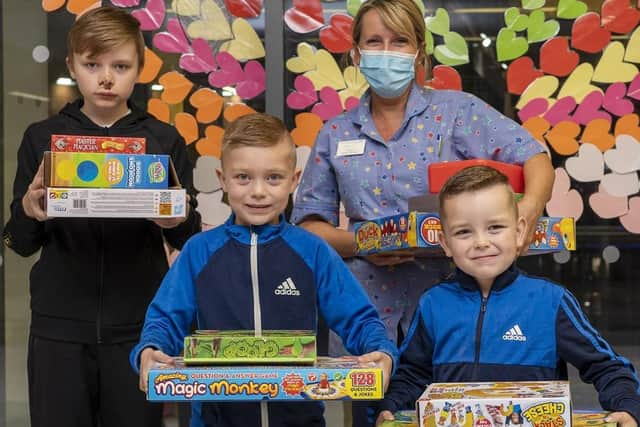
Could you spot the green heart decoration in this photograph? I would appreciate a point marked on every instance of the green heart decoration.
(438, 24)
(532, 4)
(571, 9)
(509, 46)
(354, 5)
(515, 20)
(454, 51)
(428, 41)
(540, 30)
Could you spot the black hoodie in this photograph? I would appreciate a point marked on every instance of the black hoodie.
(95, 277)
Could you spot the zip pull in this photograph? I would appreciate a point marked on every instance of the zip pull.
(257, 311)
(483, 307)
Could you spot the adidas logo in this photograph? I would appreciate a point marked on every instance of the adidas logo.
(514, 334)
(287, 288)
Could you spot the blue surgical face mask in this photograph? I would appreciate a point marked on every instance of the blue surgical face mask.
(388, 73)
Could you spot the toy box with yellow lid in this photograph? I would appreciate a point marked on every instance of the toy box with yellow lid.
(229, 347)
(98, 144)
(328, 379)
(496, 404)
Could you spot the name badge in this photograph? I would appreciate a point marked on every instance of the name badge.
(352, 147)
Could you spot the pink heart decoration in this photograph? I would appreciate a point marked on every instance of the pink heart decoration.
(304, 95)
(614, 101)
(330, 105)
(125, 3)
(305, 16)
(254, 81)
(631, 220)
(150, 17)
(351, 103)
(172, 41)
(589, 109)
(560, 111)
(564, 201)
(200, 59)
(229, 71)
(625, 158)
(534, 108)
(634, 88)
(607, 206)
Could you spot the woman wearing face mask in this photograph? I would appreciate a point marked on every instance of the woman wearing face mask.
(374, 157)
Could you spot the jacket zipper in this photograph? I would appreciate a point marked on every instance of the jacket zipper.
(476, 364)
(100, 275)
(257, 313)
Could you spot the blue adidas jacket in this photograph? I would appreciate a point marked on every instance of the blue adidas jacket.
(527, 329)
(232, 277)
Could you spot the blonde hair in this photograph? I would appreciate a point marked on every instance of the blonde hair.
(400, 16)
(256, 130)
(103, 29)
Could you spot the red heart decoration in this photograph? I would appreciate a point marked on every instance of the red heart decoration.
(336, 38)
(520, 73)
(305, 16)
(557, 58)
(587, 35)
(619, 17)
(446, 77)
(244, 8)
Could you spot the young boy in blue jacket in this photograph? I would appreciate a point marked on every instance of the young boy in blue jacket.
(492, 322)
(230, 278)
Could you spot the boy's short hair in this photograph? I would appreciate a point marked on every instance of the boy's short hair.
(103, 29)
(256, 130)
(472, 179)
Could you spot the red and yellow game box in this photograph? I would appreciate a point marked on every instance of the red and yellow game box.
(98, 144)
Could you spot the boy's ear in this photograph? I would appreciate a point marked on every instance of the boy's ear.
(295, 180)
(521, 233)
(69, 61)
(443, 242)
(220, 176)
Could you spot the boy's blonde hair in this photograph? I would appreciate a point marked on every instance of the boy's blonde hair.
(103, 29)
(256, 130)
(400, 16)
(474, 178)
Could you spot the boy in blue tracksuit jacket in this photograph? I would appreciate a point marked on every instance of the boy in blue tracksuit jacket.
(258, 272)
(492, 322)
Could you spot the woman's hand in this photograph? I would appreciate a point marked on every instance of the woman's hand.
(624, 419)
(531, 210)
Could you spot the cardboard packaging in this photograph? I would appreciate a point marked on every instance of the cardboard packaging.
(104, 170)
(328, 379)
(98, 144)
(497, 404)
(439, 173)
(229, 347)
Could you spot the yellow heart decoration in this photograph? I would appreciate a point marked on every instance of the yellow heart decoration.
(356, 83)
(633, 47)
(305, 61)
(326, 72)
(542, 87)
(611, 68)
(578, 84)
(212, 26)
(246, 44)
(186, 7)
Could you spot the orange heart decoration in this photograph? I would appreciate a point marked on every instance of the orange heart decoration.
(597, 133)
(152, 65)
(537, 127)
(234, 111)
(211, 144)
(628, 125)
(78, 7)
(159, 109)
(176, 87)
(51, 5)
(307, 127)
(187, 127)
(562, 138)
(208, 105)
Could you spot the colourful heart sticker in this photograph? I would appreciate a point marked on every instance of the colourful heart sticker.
(514, 20)
(571, 9)
(173, 40)
(625, 157)
(307, 127)
(542, 87)
(204, 174)
(254, 81)
(539, 29)
(159, 109)
(587, 35)
(614, 101)
(588, 165)
(353, 6)
(326, 72)
(618, 16)
(176, 87)
(305, 61)
(621, 185)
(509, 46)
(351, 103)
(565, 202)
(532, 4)
(628, 125)
(211, 144)
(445, 77)
(151, 16)
(356, 84)
(125, 3)
(563, 138)
(534, 108)
(208, 105)
(229, 71)
(246, 44)
(589, 109)
(428, 42)
(152, 66)
(336, 37)
(633, 47)
(329, 105)
(439, 23)
(52, 5)
(305, 16)
(537, 127)
(234, 111)
(186, 8)
(578, 84)
(560, 111)
(611, 67)
(187, 127)
(557, 58)
(212, 23)
(200, 59)
(304, 94)
(634, 88)
(454, 51)
(520, 74)
(597, 134)
(244, 8)
(607, 206)
(212, 209)
(631, 221)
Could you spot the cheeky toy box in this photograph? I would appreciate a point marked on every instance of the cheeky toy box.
(329, 379)
(98, 144)
(496, 404)
(229, 347)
